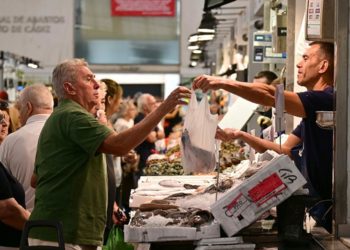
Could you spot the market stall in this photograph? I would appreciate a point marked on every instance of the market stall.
(176, 208)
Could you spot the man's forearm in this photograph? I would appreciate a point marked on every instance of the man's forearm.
(255, 92)
(122, 143)
(259, 144)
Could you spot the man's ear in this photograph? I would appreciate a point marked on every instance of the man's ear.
(29, 108)
(324, 66)
(69, 88)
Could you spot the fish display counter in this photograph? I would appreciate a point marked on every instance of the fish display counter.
(175, 208)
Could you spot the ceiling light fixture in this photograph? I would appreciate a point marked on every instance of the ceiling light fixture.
(193, 64)
(32, 64)
(201, 37)
(208, 23)
(193, 46)
(197, 51)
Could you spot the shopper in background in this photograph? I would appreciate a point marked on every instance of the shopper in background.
(13, 214)
(265, 112)
(315, 73)
(70, 172)
(146, 104)
(4, 125)
(171, 120)
(12, 110)
(18, 150)
(127, 113)
(111, 99)
(265, 76)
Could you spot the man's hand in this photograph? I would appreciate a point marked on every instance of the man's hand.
(33, 181)
(227, 134)
(118, 216)
(180, 95)
(101, 117)
(206, 82)
(131, 157)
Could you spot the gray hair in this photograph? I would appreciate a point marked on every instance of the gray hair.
(124, 107)
(38, 95)
(66, 72)
(142, 101)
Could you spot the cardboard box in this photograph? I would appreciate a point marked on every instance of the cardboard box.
(267, 188)
(170, 233)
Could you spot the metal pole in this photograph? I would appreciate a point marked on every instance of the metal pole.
(2, 86)
(341, 130)
(2, 60)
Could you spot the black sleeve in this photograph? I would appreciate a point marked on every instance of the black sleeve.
(5, 187)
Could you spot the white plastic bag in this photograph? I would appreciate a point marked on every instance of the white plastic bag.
(198, 137)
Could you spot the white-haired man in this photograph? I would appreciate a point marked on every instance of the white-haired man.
(70, 173)
(17, 152)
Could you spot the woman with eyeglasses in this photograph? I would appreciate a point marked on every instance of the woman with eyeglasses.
(4, 125)
(12, 111)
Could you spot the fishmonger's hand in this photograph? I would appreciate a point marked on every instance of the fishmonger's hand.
(227, 134)
(206, 82)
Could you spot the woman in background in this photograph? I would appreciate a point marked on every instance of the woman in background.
(112, 100)
(12, 111)
(13, 214)
(4, 125)
(127, 113)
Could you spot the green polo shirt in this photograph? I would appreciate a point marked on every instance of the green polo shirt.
(71, 176)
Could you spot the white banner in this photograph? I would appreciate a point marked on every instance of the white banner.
(38, 29)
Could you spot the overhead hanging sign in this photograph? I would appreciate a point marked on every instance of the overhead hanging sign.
(143, 7)
(38, 29)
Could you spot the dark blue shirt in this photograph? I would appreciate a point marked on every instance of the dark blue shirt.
(317, 152)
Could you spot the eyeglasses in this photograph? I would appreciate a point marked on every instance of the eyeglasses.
(2, 119)
(4, 105)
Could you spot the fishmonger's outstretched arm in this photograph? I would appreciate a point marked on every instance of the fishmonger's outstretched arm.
(260, 93)
(259, 144)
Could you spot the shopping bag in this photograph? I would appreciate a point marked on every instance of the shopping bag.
(198, 137)
(115, 240)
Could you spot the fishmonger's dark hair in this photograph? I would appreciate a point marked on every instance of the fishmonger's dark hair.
(328, 50)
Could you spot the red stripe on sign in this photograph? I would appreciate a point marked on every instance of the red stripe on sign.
(143, 8)
(266, 189)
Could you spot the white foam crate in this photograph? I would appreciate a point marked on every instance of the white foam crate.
(267, 188)
(170, 233)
